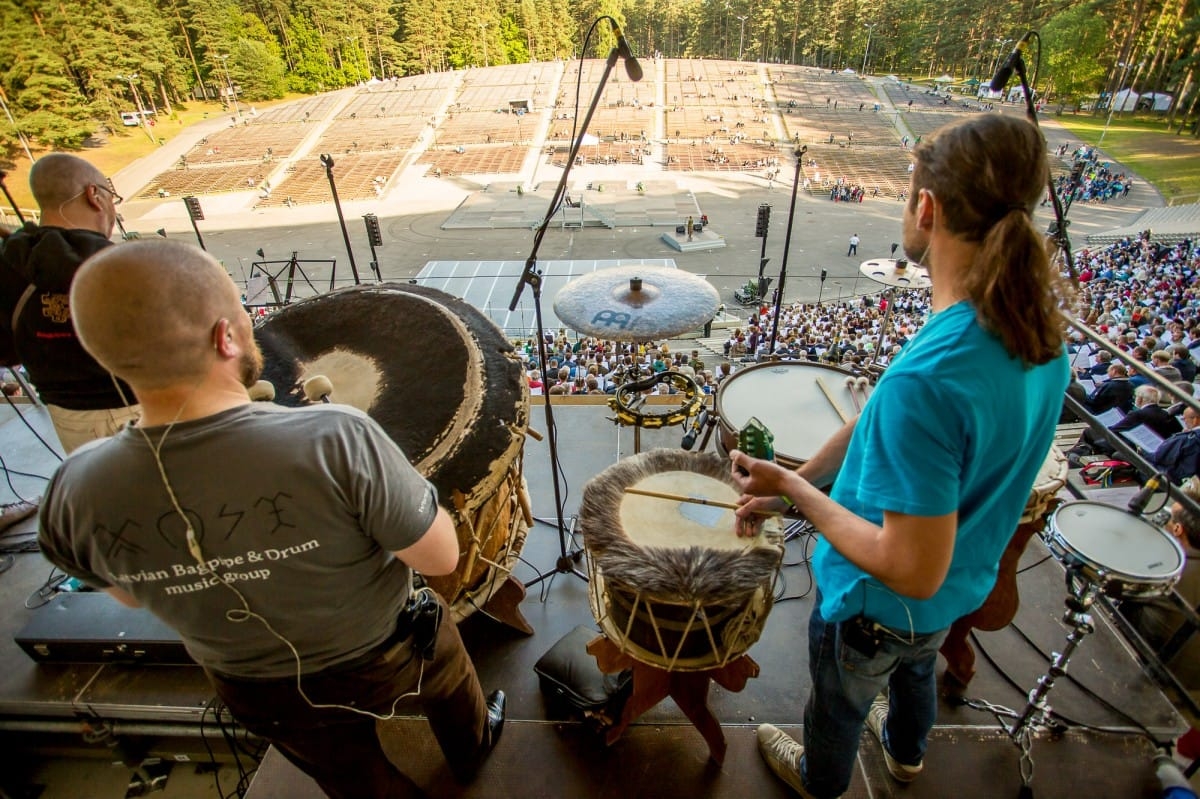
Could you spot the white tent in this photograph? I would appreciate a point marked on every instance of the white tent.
(847, 71)
(1125, 100)
(1155, 101)
(943, 79)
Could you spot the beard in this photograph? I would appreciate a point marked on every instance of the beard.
(250, 365)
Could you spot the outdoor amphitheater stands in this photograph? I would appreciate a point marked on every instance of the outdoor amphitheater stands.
(716, 116)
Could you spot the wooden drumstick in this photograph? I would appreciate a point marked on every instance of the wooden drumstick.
(825, 390)
(716, 503)
(851, 383)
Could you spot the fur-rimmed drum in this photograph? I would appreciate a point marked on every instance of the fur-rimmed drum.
(671, 583)
(445, 384)
(791, 399)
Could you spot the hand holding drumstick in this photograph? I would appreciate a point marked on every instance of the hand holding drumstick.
(764, 486)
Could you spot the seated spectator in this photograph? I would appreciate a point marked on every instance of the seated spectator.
(1160, 362)
(1183, 362)
(1179, 456)
(1147, 411)
(1116, 392)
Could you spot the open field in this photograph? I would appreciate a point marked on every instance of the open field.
(1168, 161)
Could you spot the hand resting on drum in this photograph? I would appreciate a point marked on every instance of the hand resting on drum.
(909, 554)
(762, 485)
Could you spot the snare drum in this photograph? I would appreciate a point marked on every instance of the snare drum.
(672, 585)
(786, 397)
(459, 410)
(1123, 554)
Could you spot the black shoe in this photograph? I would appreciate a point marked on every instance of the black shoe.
(465, 772)
(496, 702)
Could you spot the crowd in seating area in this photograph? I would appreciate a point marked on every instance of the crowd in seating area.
(591, 366)
(846, 333)
(1090, 180)
(1138, 287)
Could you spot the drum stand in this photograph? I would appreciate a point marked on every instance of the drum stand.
(1036, 713)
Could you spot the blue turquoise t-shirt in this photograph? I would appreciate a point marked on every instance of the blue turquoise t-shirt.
(954, 424)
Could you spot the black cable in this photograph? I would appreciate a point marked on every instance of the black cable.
(8, 473)
(36, 434)
(806, 562)
(1086, 690)
(47, 590)
(212, 759)
(1024, 569)
(1054, 714)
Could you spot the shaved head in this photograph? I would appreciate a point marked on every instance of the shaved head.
(58, 178)
(147, 311)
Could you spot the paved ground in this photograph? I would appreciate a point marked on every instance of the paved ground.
(413, 211)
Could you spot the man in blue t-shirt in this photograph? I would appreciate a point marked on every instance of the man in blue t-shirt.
(933, 475)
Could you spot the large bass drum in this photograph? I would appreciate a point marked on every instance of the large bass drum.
(445, 384)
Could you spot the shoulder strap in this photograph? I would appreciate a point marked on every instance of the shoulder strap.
(16, 314)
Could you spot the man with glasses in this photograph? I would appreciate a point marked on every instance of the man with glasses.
(37, 265)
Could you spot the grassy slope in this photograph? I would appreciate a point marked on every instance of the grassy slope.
(1168, 161)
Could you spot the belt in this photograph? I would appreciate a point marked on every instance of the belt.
(402, 632)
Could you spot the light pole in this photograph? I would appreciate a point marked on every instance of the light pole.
(137, 101)
(741, 35)
(1000, 45)
(229, 82)
(870, 32)
(1112, 101)
(13, 122)
(483, 38)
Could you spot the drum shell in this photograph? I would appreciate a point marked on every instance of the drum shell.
(450, 391)
(1134, 579)
(785, 397)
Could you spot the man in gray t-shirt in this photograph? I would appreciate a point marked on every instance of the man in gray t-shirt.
(279, 543)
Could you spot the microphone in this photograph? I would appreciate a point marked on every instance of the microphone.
(1004, 73)
(262, 391)
(317, 388)
(632, 68)
(1142, 497)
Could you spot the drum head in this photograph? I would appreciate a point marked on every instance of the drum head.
(1117, 541)
(433, 371)
(785, 397)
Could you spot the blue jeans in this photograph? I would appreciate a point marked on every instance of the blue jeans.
(844, 683)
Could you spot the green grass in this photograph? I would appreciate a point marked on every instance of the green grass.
(112, 153)
(1170, 162)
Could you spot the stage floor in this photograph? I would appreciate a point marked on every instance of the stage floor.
(661, 754)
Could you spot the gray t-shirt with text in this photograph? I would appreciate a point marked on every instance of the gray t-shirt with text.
(299, 509)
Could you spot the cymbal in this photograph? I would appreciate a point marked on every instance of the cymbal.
(900, 273)
(636, 303)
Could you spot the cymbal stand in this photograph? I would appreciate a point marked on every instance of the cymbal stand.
(787, 242)
(567, 559)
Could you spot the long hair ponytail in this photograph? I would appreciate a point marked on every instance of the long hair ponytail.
(989, 172)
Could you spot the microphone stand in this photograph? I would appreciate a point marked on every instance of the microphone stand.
(567, 559)
(11, 201)
(787, 243)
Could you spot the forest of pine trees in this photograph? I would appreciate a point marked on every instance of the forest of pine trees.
(68, 68)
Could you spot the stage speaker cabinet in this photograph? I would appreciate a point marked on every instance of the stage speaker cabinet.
(698, 227)
(92, 627)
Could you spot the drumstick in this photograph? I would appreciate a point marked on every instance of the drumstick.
(850, 384)
(825, 390)
(716, 503)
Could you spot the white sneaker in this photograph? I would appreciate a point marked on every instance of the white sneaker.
(782, 754)
(876, 721)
